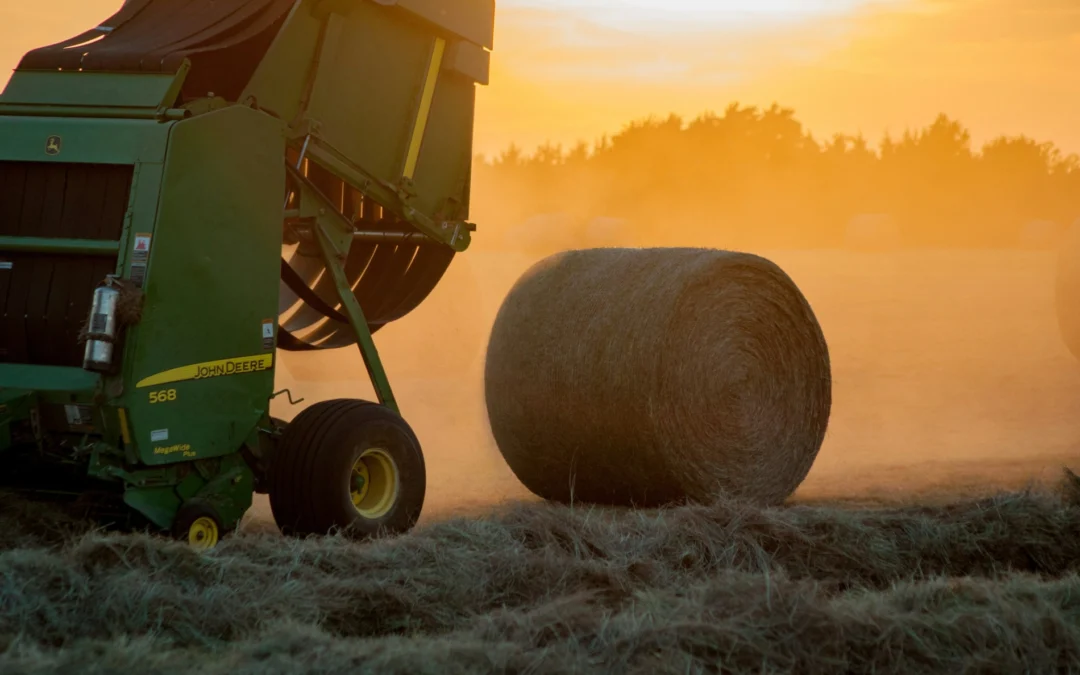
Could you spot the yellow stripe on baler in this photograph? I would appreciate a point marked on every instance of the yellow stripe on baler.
(201, 371)
(424, 113)
(125, 430)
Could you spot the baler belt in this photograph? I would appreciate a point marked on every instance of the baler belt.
(297, 285)
(291, 343)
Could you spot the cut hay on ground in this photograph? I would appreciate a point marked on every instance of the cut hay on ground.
(651, 376)
(988, 586)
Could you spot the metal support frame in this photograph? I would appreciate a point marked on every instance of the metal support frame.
(455, 234)
(359, 324)
(169, 115)
(59, 246)
(304, 228)
(335, 236)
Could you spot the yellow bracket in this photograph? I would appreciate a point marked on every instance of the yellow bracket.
(125, 429)
(422, 115)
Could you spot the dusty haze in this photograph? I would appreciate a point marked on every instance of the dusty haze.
(929, 261)
(949, 375)
(949, 372)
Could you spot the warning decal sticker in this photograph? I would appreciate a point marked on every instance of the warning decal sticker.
(140, 254)
(142, 248)
(268, 334)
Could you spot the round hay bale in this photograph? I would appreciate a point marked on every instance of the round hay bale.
(658, 375)
(872, 232)
(1067, 289)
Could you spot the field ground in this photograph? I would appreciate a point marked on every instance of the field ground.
(989, 586)
(950, 384)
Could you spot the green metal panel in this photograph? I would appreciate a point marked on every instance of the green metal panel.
(142, 214)
(374, 83)
(229, 489)
(110, 90)
(68, 246)
(47, 378)
(366, 96)
(158, 494)
(91, 112)
(158, 504)
(101, 141)
(212, 280)
(277, 85)
(465, 58)
(446, 153)
(473, 20)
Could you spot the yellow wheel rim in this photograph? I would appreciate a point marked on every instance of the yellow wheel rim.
(203, 534)
(374, 483)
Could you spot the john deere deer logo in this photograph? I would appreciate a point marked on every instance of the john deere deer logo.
(52, 145)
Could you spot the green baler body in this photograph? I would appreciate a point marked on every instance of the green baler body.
(186, 195)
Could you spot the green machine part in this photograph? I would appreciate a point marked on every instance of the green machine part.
(277, 174)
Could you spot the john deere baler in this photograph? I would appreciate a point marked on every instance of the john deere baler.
(191, 187)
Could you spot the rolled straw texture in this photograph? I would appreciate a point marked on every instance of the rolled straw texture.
(646, 377)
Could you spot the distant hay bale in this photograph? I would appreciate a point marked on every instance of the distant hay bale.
(1039, 234)
(872, 232)
(1067, 289)
(652, 376)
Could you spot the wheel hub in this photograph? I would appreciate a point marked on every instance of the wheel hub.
(375, 483)
(203, 534)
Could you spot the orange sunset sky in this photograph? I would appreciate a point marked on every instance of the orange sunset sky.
(565, 70)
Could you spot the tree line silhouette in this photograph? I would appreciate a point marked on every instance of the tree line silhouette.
(757, 176)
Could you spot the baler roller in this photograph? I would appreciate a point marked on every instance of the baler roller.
(389, 279)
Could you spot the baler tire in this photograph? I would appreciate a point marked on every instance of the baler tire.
(199, 525)
(288, 462)
(312, 482)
